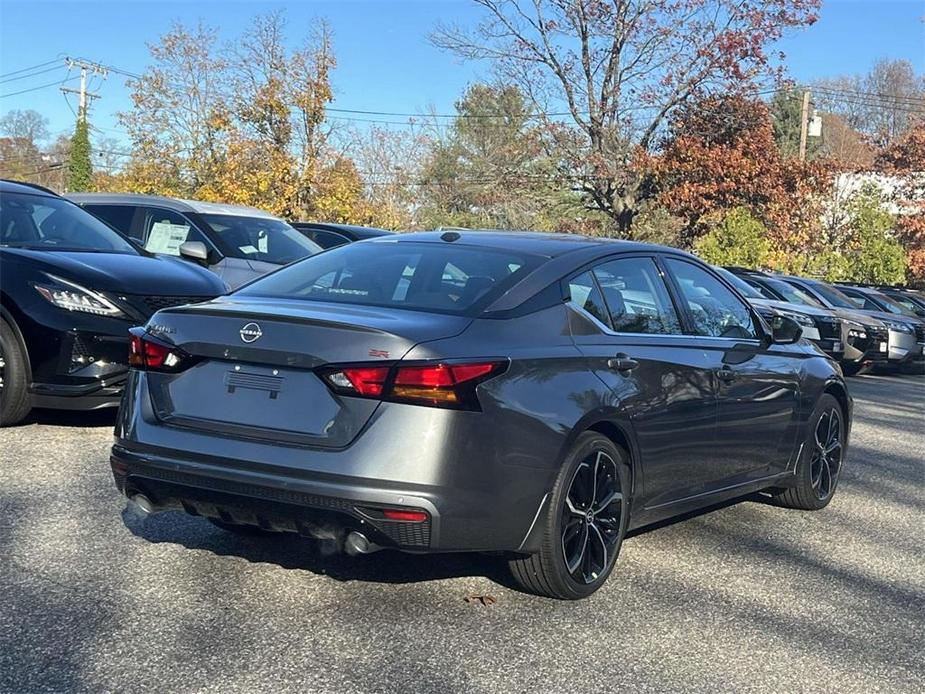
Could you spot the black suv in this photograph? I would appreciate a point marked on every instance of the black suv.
(70, 289)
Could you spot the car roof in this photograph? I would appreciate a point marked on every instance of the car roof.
(9, 186)
(175, 204)
(347, 229)
(547, 244)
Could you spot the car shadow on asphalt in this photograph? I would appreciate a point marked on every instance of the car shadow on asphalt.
(289, 551)
(72, 418)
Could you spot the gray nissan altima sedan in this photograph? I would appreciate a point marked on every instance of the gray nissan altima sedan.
(527, 394)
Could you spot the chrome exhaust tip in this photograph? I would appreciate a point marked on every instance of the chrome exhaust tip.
(357, 543)
(142, 504)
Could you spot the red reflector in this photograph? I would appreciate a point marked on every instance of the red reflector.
(136, 352)
(441, 375)
(405, 515)
(367, 380)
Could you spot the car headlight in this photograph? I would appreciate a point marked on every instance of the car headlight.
(804, 320)
(899, 327)
(73, 297)
(855, 329)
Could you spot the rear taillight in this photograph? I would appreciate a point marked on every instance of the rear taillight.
(148, 354)
(438, 385)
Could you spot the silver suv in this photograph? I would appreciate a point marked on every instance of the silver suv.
(236, 242)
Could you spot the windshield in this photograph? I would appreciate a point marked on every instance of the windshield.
(832, 295)
(435, 277)
(893, 306)
(48, 223)
(908, 302)
(259, 238)
(745, 289)
(791, 293)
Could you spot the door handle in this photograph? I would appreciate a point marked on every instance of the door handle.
(726, 374)
(622, 363)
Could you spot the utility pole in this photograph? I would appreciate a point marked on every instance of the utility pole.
(804, 124)
(85, 67)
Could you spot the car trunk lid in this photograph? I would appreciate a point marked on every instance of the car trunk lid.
(255, 376)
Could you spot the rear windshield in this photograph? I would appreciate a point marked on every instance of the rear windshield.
(260, 238)
(443, 278)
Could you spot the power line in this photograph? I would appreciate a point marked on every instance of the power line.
(31, 74)
(27, 69)
(56, 83)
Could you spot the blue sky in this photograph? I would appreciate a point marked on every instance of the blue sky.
(384, 60)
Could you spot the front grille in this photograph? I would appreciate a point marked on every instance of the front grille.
(875, 337)
(829, 329)
(149, 305)
(920, 333)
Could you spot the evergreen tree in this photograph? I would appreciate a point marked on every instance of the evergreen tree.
(79, 168)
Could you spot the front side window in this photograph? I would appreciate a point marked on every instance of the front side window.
(165, 231)
(636, 297)
(259, 238)
(714, 310)
(48, 223)
(445, 278)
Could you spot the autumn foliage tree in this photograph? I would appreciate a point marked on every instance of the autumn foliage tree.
(720, 154)
(618, 70)
(241, 123)
(905, 159)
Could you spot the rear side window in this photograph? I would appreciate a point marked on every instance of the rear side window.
(636, 297)
(586, 294)
(713, 308)
(119, 217)
(439, 277)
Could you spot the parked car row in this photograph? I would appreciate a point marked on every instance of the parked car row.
(535, 396)
(861, 327)
(73, 283)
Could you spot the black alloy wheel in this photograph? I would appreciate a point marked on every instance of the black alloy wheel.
(591, 517)
(581, 529)
(825, 463)
(822, 458)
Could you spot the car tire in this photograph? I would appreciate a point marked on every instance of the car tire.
(821, 460)
(14, 387)
(241, 528)
(581, 540)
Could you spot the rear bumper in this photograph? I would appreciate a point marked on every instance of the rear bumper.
(306, 505)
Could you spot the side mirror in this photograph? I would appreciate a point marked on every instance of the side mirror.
(784, 330)
(195, 251)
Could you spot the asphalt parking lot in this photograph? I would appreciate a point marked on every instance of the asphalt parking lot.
(748, 597)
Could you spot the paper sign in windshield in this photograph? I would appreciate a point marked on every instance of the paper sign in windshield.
(167, 238)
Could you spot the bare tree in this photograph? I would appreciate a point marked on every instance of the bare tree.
(882, 104)
(617, 68)
(27, 125)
